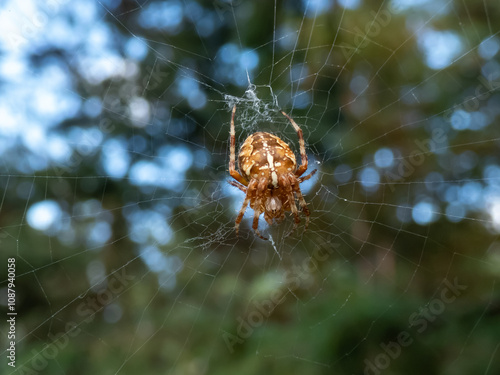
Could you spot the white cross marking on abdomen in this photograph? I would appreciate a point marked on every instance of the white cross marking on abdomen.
(274, 176)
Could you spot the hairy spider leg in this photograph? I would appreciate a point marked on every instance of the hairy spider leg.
(256, 214)
(305, 178)
(239, 186)
(262, 186)
(286, 183)
(232, 158)
(252, 187)
(302, 201)
(303, 155)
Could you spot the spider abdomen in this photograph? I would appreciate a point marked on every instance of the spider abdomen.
(264, 155)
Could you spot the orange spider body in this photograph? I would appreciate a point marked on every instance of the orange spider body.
(264, 155)
(269, 176)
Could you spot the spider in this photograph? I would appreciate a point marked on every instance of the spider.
(269, 176)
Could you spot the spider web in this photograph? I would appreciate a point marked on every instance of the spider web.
(117, 210)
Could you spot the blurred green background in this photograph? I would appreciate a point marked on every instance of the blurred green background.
(114, 133)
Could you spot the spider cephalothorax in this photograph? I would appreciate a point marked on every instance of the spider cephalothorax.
(269, 176)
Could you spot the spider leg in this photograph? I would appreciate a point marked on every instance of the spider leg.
(303, 167)
(296, 217)
(250, 191)
(232, 171)
(302, 202)
(240, 215)
(261, 188)
(305, 178)
(287, 183)
(255, 225)
(239, 186)
(268, 218)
